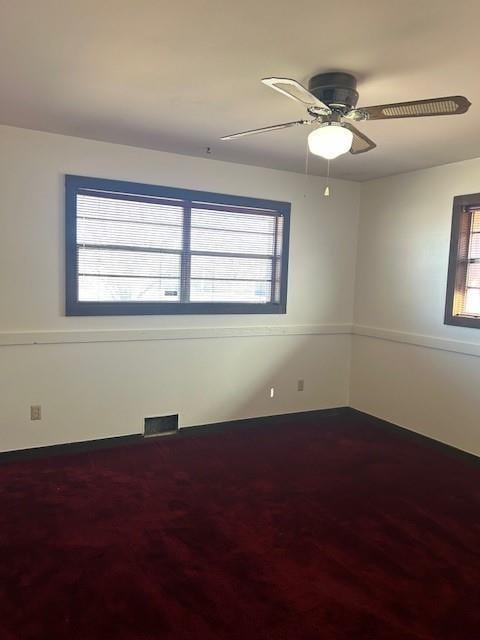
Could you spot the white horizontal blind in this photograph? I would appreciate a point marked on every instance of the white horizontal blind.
(471, 299)
(128, 250)
(145, 249)
(232, 256)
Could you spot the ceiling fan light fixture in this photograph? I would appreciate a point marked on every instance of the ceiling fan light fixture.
(331, 100)
(330, 140)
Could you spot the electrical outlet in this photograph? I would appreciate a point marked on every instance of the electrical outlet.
(272, 392)
(300, 385)
(35, 412)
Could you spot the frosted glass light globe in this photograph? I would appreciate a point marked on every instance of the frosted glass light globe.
(330, 140)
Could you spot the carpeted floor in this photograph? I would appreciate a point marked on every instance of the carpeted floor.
(328, 529)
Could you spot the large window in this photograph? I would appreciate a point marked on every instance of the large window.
(463, 288)
(141, 249)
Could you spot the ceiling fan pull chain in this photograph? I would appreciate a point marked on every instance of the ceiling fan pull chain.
(306, 170)
(326, 192)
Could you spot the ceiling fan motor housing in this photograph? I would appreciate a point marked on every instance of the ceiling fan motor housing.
(335, 89)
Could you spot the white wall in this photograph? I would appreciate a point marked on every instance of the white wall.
(99, 377)
(407, 366)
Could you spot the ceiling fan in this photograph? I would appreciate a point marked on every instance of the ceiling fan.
(331, 101)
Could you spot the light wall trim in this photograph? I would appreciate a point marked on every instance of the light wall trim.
(419, 340)
(28, 338)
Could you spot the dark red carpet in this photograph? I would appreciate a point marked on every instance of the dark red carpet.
(333, 529)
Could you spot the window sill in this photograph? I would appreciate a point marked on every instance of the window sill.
(75, 308)
(463, 321)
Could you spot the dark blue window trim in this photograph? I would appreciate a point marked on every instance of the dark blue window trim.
(74, 307)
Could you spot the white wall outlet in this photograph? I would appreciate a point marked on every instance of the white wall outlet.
(272, 392)
(35, 412)
(300, 385)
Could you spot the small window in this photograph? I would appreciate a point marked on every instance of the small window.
(135, 249)
(463, 286)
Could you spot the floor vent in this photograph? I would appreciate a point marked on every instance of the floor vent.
(160, 426)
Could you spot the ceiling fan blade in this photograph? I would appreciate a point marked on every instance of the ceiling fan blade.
(361, 143)
(449, 105)
(274, 127)
(294, 90)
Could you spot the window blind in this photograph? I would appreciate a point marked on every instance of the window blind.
(469, 303)
(128, 250)
(142, 249)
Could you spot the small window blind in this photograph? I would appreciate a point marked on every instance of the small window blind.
(463, 290)
(468, 265)
(144, 252)
(471, 300)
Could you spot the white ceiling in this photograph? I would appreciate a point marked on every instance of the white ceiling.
(177, 75)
